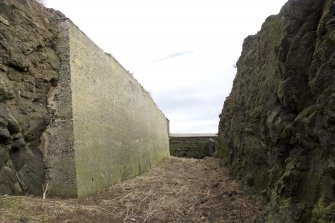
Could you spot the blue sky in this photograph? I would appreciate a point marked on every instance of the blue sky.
(183, 52)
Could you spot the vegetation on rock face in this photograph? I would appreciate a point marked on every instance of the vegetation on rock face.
(277, 127)
(28, 65)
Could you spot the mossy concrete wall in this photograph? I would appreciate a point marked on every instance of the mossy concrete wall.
(115, 129)
(192, 145)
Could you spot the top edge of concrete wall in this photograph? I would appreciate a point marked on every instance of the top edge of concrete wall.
(69, 21)
(185, 135)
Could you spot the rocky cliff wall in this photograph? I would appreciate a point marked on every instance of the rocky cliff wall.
(29, 67)
(277, 127)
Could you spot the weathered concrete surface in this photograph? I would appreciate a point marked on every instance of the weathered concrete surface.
(70, 115)
(277, 127)
(58, 139)
(192, 145)
(106, 127)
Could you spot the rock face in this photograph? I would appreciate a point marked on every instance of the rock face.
(277, 127)
(29, 67)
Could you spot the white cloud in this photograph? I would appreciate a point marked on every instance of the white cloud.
(173, 55)
(194, 45)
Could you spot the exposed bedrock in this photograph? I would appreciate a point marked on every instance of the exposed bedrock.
(277, 127)
(29, 66)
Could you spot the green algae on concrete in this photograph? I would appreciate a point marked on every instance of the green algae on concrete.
(115, 129)
(192, 145)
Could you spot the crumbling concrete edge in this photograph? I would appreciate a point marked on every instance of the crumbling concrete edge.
(59, 154)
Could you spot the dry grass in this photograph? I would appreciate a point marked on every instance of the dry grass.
(178, 190)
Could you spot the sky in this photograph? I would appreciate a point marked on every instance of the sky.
(183, 52)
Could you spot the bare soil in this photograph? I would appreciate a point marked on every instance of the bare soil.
(177, 190)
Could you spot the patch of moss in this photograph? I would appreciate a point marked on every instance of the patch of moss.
(21, 120)
(9, 201)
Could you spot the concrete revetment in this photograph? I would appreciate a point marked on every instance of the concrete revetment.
(192, 145)
(105, 126)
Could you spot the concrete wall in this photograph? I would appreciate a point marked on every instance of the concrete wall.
(58, 151)
(192, 145)
(118, 131)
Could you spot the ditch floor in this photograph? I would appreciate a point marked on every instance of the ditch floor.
(177, 190)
